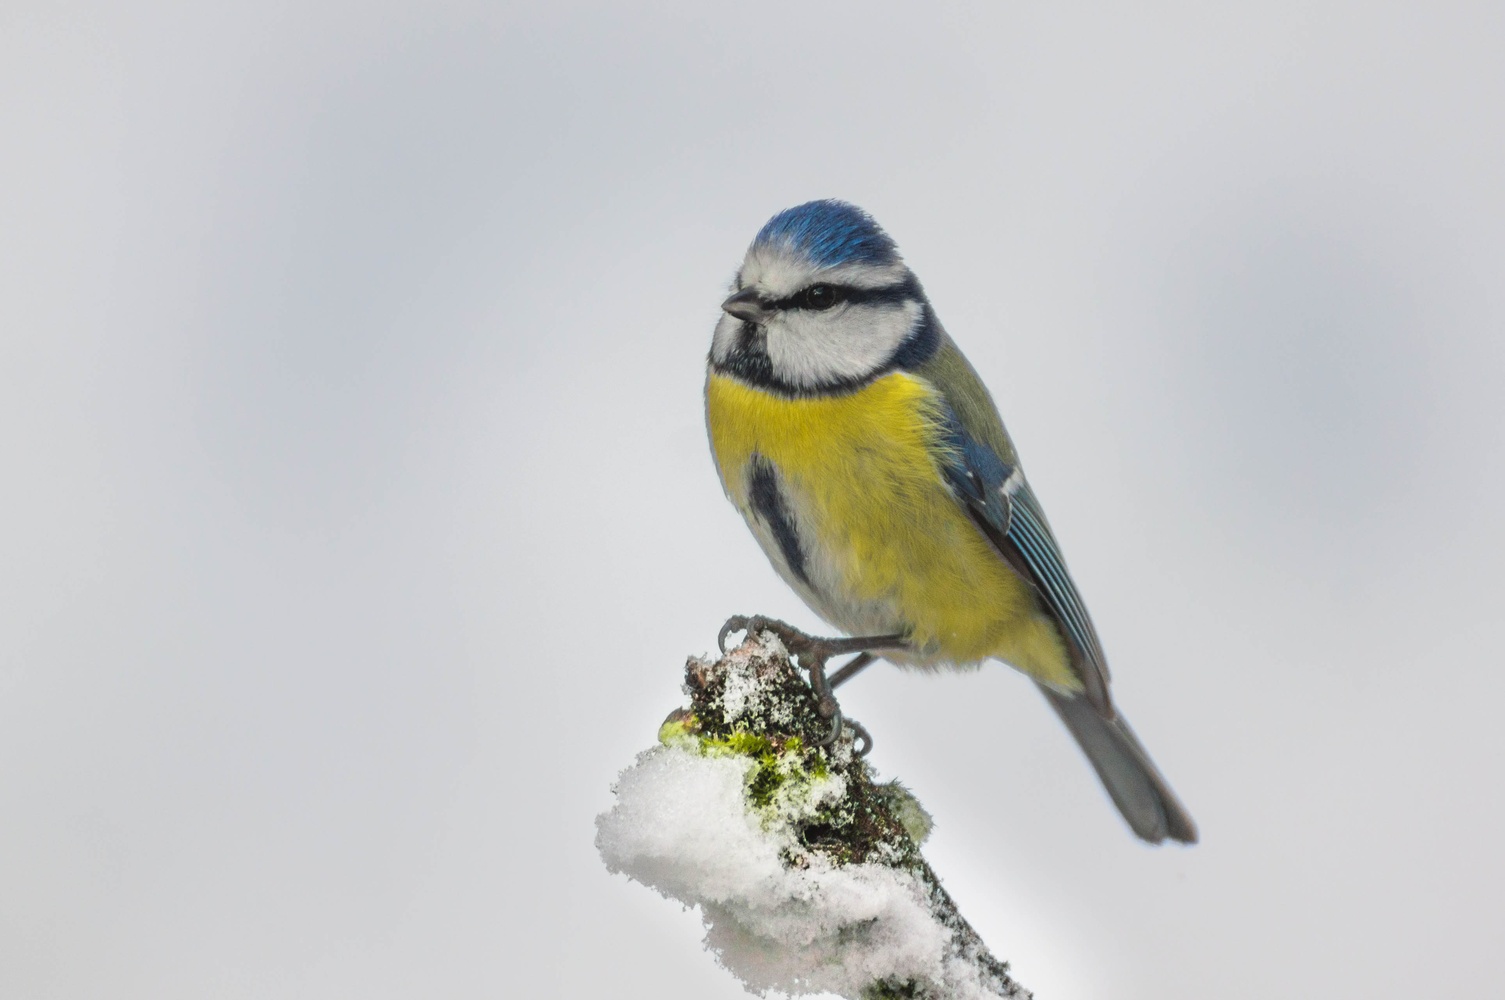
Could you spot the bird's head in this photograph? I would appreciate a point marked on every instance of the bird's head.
(822, 302)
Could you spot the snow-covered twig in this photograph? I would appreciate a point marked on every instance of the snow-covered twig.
(807, 872)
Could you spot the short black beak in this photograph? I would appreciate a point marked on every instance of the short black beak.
(746, 305)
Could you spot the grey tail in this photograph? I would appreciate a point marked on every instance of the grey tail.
(1135, 785)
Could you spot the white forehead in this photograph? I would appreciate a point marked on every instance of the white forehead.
(778, 270)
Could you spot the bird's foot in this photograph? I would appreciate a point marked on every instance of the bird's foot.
(813, 652)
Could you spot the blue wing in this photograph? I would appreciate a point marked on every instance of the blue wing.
(1004, 507)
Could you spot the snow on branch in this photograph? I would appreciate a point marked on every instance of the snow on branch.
(807, 872)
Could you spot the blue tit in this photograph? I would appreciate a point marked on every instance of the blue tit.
(870, 462)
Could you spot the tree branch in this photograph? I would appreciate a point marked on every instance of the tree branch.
(808, 873)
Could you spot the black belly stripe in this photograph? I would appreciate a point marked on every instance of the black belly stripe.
(768, 501)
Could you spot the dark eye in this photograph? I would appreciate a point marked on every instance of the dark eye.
(820, 296)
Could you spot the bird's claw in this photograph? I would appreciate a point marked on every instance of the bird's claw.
(736, 623)
(859, 732)
(793, 639)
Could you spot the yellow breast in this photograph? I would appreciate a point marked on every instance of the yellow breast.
(861, 472)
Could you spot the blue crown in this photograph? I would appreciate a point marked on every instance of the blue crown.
(830, 233)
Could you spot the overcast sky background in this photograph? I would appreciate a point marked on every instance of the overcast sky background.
(358, 516)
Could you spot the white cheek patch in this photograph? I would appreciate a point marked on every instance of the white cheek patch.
(811, 349)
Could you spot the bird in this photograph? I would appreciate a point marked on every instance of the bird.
(872, 466)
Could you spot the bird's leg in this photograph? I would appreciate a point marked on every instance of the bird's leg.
(852, 668)
(812, 653)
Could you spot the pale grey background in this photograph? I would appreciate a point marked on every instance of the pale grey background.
(358, 515)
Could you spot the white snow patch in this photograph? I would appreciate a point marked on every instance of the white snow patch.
(743, 690)
(739, 694)
(778, 917)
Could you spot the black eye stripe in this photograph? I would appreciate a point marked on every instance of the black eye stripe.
(905, 291)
